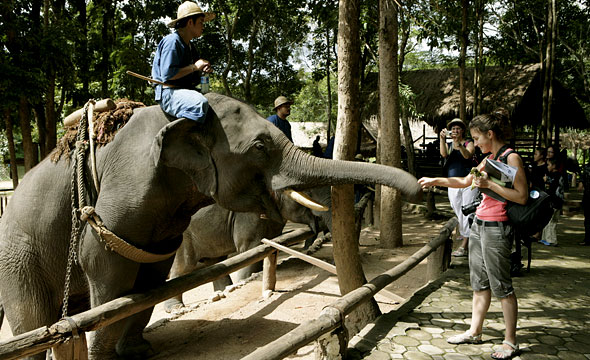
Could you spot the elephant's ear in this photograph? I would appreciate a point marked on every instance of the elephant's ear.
(179, 145)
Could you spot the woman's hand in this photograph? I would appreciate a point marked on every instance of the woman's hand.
(443, 134)
(427, 182)
(482, 181)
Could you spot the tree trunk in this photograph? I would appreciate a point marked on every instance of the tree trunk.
(11, 148)
(479, 61)
(328, 84)
(409, 143)
(50, 116)
(230, 30)
(346, 252)
(250, 68)
(408, 140)
(107, 45)
(462, 57)
(552, 69)
(391, 219)
(546, 125)
(82, 52)
(25, 127)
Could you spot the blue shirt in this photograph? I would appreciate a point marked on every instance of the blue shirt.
(282, 124)
(173, 54)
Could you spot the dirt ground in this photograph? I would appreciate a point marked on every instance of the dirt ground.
(243, 320)
(236, 325)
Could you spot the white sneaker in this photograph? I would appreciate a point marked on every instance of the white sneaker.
(465, 338)
(459, 252)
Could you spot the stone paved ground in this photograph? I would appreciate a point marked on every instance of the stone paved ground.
(553, 321)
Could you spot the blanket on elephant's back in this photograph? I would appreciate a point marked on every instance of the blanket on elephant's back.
(106, 125)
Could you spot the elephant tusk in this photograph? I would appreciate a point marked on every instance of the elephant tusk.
(305, 200)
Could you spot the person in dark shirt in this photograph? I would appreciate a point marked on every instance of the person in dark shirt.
(538, 168)
(316, 147)
(283, 109)
(176, 63)
(555, 183)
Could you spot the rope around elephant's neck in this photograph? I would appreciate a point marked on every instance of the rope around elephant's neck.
(77, 182)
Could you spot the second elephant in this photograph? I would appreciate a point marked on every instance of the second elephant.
(215, 232)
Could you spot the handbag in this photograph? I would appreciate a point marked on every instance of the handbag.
(533, 216)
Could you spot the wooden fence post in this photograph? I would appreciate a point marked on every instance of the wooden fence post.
(439, 260)
(333, 345)
(430, 205)
(269, 273)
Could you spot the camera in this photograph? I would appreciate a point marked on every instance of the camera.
(470, 208)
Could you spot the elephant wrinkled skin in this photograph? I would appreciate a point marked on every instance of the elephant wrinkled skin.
(154, 175)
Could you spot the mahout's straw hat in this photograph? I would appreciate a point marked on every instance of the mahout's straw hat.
(189, 8)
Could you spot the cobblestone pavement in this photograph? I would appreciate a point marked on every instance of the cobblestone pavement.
(553, 319)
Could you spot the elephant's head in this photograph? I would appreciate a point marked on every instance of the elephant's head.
(239, 158)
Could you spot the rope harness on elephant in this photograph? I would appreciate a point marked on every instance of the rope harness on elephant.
(83, 212)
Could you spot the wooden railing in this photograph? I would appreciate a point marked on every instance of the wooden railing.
(38, 340)
(331, 319)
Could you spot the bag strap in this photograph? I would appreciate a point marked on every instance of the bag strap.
(503, 153)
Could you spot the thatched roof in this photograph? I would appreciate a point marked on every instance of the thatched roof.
(517, 88)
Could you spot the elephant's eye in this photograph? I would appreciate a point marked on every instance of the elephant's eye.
(259, 145)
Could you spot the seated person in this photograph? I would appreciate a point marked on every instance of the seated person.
(175, 63)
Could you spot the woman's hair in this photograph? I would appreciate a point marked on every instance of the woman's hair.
(542, 151)
(498, 121)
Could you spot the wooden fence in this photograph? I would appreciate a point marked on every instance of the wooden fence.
(331, 318)
(43, 338)
(38, 340)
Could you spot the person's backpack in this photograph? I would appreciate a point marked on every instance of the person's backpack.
(532, 217)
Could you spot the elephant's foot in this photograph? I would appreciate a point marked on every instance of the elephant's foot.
(173, 305)
(135, 348)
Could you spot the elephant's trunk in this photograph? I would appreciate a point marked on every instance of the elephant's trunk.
(300, 170)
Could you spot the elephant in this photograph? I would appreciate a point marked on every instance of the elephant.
(215, 232)
(153, 176)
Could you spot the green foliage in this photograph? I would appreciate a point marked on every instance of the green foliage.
(88, 47)
(311, 103)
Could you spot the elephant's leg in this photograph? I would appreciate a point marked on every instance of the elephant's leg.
(109, 277)
(27, 304)
(132, 344)
(222, 283)
(182, 265)
(246, 272)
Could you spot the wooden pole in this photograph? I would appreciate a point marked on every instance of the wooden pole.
(332, 316)
(310, 259)
(38, 340)
(439, 260)
(100, 106)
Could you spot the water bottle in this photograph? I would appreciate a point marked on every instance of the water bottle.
(204, 83)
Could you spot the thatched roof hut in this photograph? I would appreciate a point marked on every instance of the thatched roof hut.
(517, 88)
